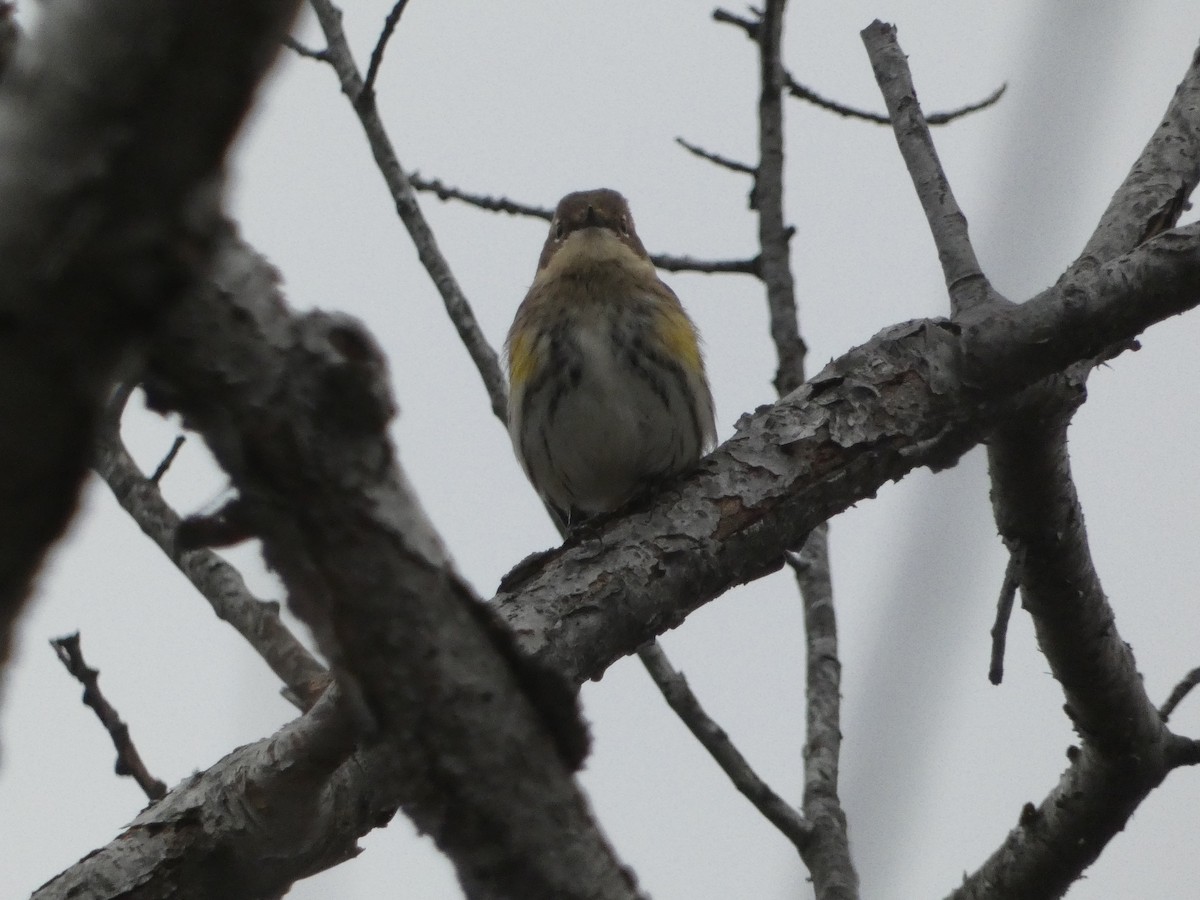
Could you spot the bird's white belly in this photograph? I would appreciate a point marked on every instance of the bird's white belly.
(612, 431)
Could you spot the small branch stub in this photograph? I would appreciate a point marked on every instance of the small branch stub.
(129, 761)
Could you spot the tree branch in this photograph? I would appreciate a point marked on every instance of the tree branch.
(965, 281)
(712, 737)
(1155, 192)
(941, 118)
(265, 815)
(1180, 692)
(385, 35)
(670, 263)
(456, 303)
(162, 468)
(492, 204)
(129, 761)
(827, 855)
(1124, 741)
(716, 159)
(110, 154)
(303, 50)
(1004, 608)
(773, 234)
(906, 398)
(1126, 748)
(218, 582)
(296, 408)
(749, 26)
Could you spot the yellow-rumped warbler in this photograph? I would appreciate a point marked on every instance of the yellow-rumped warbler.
(607, 385)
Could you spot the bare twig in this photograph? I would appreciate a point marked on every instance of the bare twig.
(723, 161)
(750, 26)
(1179, 693)
(435, 263)
(773, 233)
(940, 118)
(827, 854)
(493, 204)
(168, 459)
(218, 582)
(389, 27)
(944, 118)
(828, 857)
(303, 50)
(1004, 608)
(712, 737)
(965, 281)
(129, 761)
(707, 266)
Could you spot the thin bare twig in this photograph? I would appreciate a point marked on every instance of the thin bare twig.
(1004, 608)
(303, 50)
(493, 204)
(218, 582)
(828, 854)
(389, 27)
(129, 761)
(965, 281)
(457, 306)
(773, 233)
(750, 26)
(944, 118)
(1179, 693)
(707, 266)
(712, 737)
(802, 92)
(723, 161)
(168, 459)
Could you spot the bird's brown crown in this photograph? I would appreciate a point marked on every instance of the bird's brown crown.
(602, 208)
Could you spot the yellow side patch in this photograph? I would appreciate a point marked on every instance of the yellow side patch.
(522, 360)
(679, 338)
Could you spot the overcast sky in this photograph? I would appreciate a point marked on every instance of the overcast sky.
(534, 99)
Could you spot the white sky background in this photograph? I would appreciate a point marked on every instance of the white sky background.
(534, 99)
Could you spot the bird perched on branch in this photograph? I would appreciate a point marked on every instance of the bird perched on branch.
(607, 387)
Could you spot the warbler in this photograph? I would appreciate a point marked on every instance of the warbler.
(607, 387)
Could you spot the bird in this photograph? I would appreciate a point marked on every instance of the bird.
(608, 393)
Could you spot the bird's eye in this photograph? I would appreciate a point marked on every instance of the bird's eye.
(559, 231)
(624, 225)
